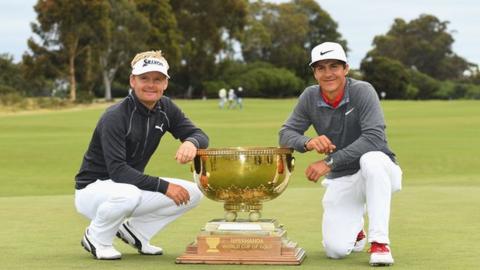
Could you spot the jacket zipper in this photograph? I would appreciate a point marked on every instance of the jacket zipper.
(146, 136)
(136, 149)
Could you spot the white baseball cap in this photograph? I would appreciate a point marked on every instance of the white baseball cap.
(151, 64)
(328, 50)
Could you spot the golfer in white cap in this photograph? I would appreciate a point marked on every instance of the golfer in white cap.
(112, 189)
(360, 170)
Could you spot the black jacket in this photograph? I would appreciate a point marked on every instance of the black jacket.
(125, 138)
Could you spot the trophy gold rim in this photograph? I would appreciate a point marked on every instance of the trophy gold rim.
(249, 151)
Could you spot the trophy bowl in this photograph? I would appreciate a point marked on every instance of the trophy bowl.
(243, 177)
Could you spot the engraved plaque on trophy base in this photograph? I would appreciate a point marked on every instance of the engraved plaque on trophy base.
(242, 242)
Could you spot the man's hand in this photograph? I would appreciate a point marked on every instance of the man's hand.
(186, 152)
(321, 144)
(178, 194)
(316, 170)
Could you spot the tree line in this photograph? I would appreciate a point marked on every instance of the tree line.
(82, 50)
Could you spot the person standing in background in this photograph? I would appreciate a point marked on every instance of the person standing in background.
(239, 97)
(231, 98)
(222, 95)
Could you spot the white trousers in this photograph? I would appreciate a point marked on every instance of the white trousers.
(108, 204)
(346, 199)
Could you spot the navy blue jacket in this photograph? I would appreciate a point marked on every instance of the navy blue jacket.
(127, 135)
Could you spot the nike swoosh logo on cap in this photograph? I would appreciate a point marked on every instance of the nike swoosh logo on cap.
(325, 52)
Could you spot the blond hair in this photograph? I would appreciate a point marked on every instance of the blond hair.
(148, 54)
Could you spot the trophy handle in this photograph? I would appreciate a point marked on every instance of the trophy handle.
(197, 164)
(290, 162)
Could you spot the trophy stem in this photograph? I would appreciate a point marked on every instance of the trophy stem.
(231, 209)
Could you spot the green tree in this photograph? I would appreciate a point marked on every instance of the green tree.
(269, 82)
(41, 66)
(386, 75)
(67, 29)
(127, 34)
(256, 38)
(424, 44)
(425, 86)
(321, 28)
(164, 33)
(207, 29)
(11, 80)
(284, 34)
(258, 79)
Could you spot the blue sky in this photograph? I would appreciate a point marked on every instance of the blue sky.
(358, 21)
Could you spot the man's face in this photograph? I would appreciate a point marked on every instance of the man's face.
(149, 87)
(330, 75)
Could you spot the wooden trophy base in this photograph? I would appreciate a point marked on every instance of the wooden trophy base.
(242, 242)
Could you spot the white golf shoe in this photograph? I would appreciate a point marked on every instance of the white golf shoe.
(99, 251)
(360, 242)
(128, 235)
(380, 255)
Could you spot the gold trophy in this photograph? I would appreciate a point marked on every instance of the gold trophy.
(243, 178)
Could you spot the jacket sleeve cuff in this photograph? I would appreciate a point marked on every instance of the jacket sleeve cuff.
(162, 186)
(337, 160)
(302, 143)
(194, 141)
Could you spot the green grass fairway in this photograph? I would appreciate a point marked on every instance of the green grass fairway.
(435, 219)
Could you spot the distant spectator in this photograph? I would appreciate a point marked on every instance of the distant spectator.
(222, 95)
(231, 98)
(239, 95)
